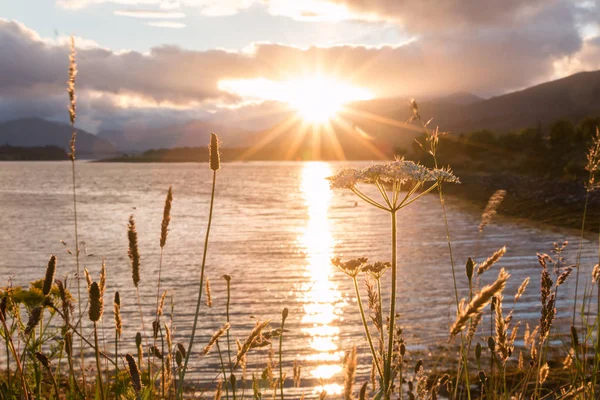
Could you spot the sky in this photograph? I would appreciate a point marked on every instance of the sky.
(159, 62)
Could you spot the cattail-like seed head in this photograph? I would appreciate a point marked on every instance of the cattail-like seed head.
(34, 318)
(181, 349)
(215, 157)
(155, 328)
(3, 304)
(164, 227)
(138, 340)
(134, 373)
(469, 268)
(156, 352)
(49, 279)
(117, 312)
(43, 359)
(227, 278)
(178, 358)
(208, 293)
(96, 303)
(134, 254)
(284, 314)
(69, 344)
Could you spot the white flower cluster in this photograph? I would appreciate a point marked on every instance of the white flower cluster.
(396, 171)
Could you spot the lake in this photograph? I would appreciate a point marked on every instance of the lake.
(276, 225)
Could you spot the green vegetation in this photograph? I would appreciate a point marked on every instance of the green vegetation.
(46, 153)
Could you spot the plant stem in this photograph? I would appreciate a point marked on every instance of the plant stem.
(98, 361)
(189, 349)
(364, 321)
(281, 356)
(116, 362)
(388, 362)
(227, 311)
(78, 269)
(578, 261)
(223, 370)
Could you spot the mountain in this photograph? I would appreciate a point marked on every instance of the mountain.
(190, 134)
(461, 98)
(574, 97)
(38, 132)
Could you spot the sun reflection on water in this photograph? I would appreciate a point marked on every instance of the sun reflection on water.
(321, 298)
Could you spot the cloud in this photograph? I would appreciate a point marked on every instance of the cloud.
(168, 80)
(150, 14)
(166, 24)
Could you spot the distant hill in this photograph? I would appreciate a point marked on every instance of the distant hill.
(46, 153)
(189, 134)
(37, 132)
(573, 98)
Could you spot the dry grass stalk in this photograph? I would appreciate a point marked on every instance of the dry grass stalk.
(88, 277)
(208, 293)
(493, 259)
(479, 302)
(501, 331)
(215, 337)
(548, 299)
(134, 254)
(164, 227)
(491, 208)
(350, 373)
(522, 288)
(219, 390)
(596, 273)
(297, 373)
(161, 304)
(544, 372)
(243, 349)
(593, 162)
(103, 277)
(562, 278)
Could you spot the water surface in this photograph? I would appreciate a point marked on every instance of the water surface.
(275, 228)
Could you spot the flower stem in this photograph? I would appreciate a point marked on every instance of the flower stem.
(99, 383)
(364, 321)
(578, 261)
(388, 362)
(189, 349)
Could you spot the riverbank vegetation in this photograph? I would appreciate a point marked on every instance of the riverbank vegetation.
(55, 346)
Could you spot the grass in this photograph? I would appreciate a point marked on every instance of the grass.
(31, 318)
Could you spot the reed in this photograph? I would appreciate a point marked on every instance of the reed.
(214, 166)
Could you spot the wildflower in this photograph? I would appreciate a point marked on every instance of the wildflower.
(350, 267)
(377, 270)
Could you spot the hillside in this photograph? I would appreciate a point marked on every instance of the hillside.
(37, 132)
(573, 98)
(190, 134)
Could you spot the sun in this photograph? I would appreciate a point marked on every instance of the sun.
(317, 100)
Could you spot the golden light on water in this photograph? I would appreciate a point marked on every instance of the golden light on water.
(321, 298)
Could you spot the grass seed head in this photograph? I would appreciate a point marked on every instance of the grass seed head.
(134, 373)
(134, 254)
(96, 302)
(49, 279)
(215, 156)
(164, 227)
